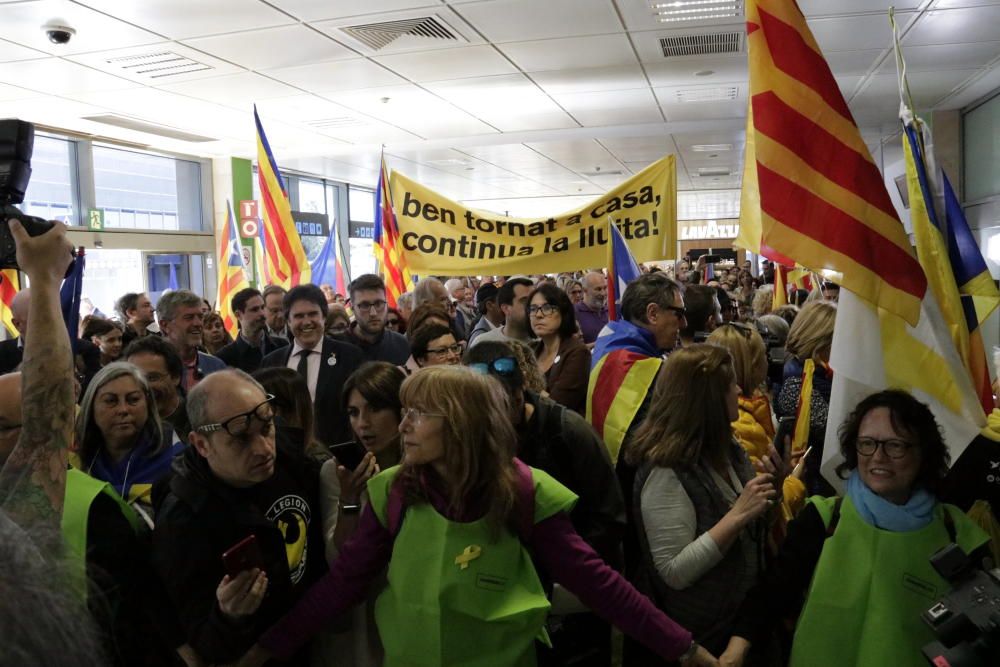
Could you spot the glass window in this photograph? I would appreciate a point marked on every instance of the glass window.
(111, 273)
(147, 191)
(52, 189)
(311, 196)
(981, 133)
(361, 204)
(362, 256)
(708, 204)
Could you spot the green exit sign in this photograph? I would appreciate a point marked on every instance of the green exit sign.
(95, 219)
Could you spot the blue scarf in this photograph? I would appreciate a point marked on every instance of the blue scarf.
(879, 512)
(136, 468)
(623, 335)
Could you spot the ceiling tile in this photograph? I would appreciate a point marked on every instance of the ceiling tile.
(633, 149)
(285, 47)
(650, 50)
(337, 75)
(510, 103)
(950, 56)
(571, 53)
(8, 93)
(439, 65)
(927, 89)
(639, 16)
(577, 150)
(234, 90)
(403, 38)
(955, 26)
(825, 7)
(181, 19)
(520, 20)
(94, 31)
(511, 156)
(303, 108)
(619, 107)
(852, 33)
(157, 64)
(53, 74)
(592, 79)
(10, 52)
(681, 71)
(317, 10)
(703, 110)
(854, 62)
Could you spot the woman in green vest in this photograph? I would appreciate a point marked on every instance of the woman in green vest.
(856, 570)
(454, 523)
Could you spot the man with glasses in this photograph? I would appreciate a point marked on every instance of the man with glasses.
(323, 362)
(560, 442)
(232, 483)
(371, 312)
(252, 343)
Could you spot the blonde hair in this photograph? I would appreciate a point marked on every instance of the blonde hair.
(534, 381)
(763, 300)
(688, 419)
(811, 335)
(478, 438)
(748, 352)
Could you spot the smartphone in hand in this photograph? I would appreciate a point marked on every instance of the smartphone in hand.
(245, 555)
(348, 454)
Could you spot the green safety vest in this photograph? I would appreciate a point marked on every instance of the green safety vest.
(454, 597)
(870, 588)
(81, 490)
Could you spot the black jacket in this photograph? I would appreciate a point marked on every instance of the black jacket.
(336, 364)
(562, 443)
(10, 355)
(200, 517)
(246, 357)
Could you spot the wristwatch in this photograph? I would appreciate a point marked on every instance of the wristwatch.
(350, 508)
(688, 654)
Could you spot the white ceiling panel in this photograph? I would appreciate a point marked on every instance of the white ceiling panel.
(619, 107)
(520, 20)
(955, 26)
(442, 64)
(509, 103)
(336, 75)
(10, 52)
(927, 89)
(513, 156)
(157, 64)
(639, 16)
(181, 19)
(826, 7)
(639, 149)
(851, 33)
(372, 133)
(593, 79)
(318, 10)
(951, 56)
(234, 90)
(573, 151)
(22, 23)
(854, 62)
(703, 110)
(571, 53)
(683, 71)
(53, 74)
(8, 93)
(272, 48)
(647, 44)
(304, 108)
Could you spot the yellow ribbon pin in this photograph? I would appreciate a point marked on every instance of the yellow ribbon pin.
(470, 554)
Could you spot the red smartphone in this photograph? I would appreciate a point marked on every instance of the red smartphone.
(245, 555)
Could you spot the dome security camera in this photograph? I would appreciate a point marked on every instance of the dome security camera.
(59, 34)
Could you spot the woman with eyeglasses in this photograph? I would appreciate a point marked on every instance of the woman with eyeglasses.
(119, 436)
(395, 321)
(338, 323)
(434, 345)
(454, 524)
(562, 357)
(701, 514)
(856, 570)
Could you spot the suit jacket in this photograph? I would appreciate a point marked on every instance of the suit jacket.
(246, 357)
(332, 426)
(10, 355)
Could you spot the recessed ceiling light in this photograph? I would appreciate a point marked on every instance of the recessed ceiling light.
(711, 148)
(705, 72)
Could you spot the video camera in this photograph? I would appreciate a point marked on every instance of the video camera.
(17, 141)
(776, 355)
(966, 621)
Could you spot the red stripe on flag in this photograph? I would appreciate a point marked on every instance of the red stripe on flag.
(793, 55)
(270, 239)
(615, 367)
(821, 150)
(752, 28)
(794, 206)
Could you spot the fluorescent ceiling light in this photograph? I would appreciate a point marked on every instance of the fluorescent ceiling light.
(711, 148)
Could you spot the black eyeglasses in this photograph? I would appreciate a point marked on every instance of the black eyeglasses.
(392, 323)
(371, 307)
(448, 349)
(679, 312)
(502, 366)
(545, 310)
(893, 447)
(238, 425)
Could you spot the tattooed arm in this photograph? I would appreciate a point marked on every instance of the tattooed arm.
(33, 480)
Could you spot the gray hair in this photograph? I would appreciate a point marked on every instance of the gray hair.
(648, 288)
(405, 301)
(166, 307)
(88, 436)
(776, 325)
(199, 397)
(422, 292)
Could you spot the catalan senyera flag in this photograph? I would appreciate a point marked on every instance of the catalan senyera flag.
(328, 267)
(284, 254)
(9, 286)
(386, 242)
(232, 275)
(780, 297)
(820, 197)
(953, 264)
(622, 268)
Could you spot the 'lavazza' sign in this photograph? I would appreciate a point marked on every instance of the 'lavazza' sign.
(708, 229)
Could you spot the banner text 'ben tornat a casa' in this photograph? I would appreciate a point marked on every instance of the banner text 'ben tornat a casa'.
(440, 236)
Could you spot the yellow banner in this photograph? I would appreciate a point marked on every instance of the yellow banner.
(440, 236)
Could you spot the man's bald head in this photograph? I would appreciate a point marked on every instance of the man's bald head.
(204, 401)
(595, 290)
(19, 307)
(10, 413)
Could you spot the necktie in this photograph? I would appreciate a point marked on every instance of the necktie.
(303, 367)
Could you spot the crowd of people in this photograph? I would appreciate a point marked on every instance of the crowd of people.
(488, 473)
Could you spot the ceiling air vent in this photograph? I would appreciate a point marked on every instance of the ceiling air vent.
(377, 36)
(336, 123)
(707, 94)
(149, 128)
(157, 64)
(702, 45)
(594, 174)
(713, 171)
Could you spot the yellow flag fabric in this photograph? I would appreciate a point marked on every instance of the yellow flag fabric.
(9, 286)
(439, 236)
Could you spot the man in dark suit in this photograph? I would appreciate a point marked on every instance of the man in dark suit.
(324, 363)
(12, 350)
(252, 344)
